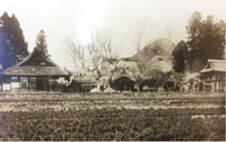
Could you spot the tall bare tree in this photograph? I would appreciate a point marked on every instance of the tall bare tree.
(142, 36)
(172, 34)
(103, 48)
(104, 55)
(102, 42)
(76, 51)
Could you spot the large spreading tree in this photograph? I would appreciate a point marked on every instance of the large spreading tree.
(206, 40)
(13, 47)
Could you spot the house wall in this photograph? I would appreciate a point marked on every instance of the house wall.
(213, 81)
(25, 84)
(6, 87)
(123, 84)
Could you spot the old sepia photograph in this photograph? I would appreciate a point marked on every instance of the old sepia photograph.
(112, 70)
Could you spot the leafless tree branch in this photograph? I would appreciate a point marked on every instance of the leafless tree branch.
(142, 37)
(76, 51)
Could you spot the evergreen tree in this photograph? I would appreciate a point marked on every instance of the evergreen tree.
(206, 40)
(180, 56)
(13, 47)
(41, 43)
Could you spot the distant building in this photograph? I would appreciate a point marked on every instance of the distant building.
(155, 63)
(81, 81)
(35, 73)
(125, 77)
(213, 75)
(123, 81)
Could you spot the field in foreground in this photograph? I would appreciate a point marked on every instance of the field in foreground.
(179, 118)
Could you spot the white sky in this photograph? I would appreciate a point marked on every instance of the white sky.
(61, 18)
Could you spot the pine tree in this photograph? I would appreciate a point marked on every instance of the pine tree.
(13, 47)
(41, 43)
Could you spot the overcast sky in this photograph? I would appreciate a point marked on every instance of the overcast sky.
(61, 18)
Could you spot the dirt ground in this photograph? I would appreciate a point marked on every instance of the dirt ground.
(64, 101)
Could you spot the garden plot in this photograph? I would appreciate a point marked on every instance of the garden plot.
(59, 101)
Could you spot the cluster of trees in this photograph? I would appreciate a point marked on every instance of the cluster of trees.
(96, 59)
(13, 47)
(205, 40)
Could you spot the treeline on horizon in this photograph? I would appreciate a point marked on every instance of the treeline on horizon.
(205, 40)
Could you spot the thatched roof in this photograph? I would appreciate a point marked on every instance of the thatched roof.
(155, 61)
(159, 63)
(156, 78)
(35, 71)
(214, 66)
(148, 57)
(127, 69)
(32, 66)
(33, 56)
(157, 47)
(120, 74)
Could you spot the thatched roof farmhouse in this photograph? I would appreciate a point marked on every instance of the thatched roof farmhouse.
(126, 75)
(36, 72)
(155, 62)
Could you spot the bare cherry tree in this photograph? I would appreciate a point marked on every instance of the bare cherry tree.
(103, 48)
(104, 53)
(102, 42)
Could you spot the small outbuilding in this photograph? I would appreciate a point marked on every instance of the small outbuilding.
(213, 75)
(35, 73)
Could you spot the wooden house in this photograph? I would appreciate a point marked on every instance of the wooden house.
(213, 75)
(35, 73)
